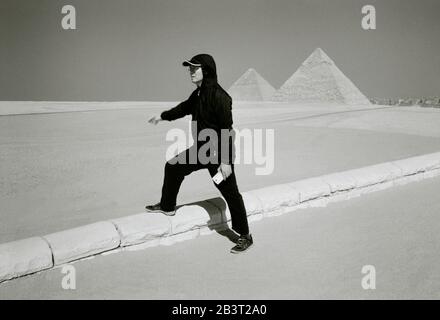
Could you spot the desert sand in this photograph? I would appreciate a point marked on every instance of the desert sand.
(66, 169)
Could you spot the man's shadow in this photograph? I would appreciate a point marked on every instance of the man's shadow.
(213, 206)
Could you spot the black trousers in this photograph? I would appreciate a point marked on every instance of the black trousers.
(175, 174)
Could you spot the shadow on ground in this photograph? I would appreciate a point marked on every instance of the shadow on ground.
(212, 206)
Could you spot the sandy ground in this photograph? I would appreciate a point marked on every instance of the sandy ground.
(309, 253)
(67, 169)
(40, 107)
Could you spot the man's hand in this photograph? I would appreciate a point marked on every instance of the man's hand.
(155, 120)
(225, 169)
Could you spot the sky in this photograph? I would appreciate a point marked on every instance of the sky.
(132, 50)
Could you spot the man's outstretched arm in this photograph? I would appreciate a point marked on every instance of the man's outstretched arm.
(179, 111)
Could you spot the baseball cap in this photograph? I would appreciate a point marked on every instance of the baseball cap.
(193, 62)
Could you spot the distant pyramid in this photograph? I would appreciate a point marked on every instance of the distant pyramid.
(251, 86)
(318, 79)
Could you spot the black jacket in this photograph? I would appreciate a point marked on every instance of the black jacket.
(211, 106)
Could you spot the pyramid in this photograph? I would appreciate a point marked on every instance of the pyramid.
(251, 86)
(318, 79)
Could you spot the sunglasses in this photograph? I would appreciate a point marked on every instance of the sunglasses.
(193, 68)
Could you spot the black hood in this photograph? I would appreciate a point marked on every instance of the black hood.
(209, 68)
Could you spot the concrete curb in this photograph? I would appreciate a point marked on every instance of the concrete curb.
(74, 244)
(23, 257)
(141, 228)
(35, 254)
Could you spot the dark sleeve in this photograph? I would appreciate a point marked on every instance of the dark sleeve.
(224, 114)
(182, 109)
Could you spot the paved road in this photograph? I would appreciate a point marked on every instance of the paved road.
(309, 253)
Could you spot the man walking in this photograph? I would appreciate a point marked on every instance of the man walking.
(211, 108)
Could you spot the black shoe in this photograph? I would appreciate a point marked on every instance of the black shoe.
(157, 208)
(243, 243)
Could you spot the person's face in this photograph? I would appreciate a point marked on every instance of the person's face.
(196, 74)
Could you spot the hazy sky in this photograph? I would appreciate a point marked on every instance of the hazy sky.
(133, 49)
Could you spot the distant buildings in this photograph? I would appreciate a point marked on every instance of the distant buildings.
(422, 102)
